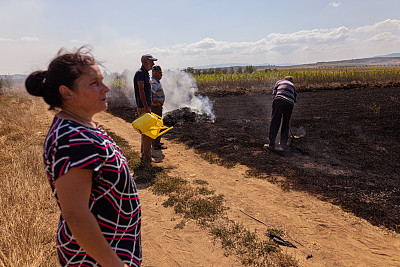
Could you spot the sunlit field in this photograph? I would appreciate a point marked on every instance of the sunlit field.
(28, 214)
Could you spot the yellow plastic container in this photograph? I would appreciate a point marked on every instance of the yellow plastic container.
(150, 124)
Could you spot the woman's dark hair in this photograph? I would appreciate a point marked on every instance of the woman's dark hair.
(65, 69)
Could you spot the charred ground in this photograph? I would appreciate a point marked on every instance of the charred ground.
(350, 154)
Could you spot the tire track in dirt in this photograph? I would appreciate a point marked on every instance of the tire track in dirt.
(332, 236)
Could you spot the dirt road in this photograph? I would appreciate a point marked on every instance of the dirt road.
(332, 236)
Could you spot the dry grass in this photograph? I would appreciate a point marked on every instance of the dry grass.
(251, 249)
(194, 201)
(28, 214)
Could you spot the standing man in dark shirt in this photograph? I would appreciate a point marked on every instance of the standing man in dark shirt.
(141, 82)
(284, 95)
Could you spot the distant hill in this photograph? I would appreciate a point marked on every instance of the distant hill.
(391, 55)
(363, 62)
(226, 65)
(384, 60)
(19, 76)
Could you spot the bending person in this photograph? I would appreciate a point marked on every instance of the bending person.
(284, 95)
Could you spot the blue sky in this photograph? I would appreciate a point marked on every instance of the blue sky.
(186, 33)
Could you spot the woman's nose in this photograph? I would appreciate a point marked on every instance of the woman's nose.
(107, 89)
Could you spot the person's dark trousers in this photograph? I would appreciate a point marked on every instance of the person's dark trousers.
(281, 111)
(158, 111)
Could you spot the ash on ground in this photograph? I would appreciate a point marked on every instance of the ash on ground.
(184, 115)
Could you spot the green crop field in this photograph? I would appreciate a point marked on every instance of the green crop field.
(304, 78)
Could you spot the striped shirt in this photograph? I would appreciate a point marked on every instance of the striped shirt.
(285, 90)
(157, 92)
(113, 198)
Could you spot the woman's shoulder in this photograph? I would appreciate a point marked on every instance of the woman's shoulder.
(62, 130)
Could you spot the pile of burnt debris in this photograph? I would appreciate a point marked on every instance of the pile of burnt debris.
(184, 115)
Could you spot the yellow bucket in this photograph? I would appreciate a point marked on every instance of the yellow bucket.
(150, 124)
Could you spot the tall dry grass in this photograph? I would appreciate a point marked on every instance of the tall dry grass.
(28, 214)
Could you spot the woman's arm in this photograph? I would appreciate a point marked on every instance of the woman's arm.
(73, 191)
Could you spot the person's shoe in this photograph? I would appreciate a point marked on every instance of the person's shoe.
(269, 146)
(285, 147)
(160, 147)
(147, 161)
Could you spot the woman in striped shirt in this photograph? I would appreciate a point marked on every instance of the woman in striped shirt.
(88, 173)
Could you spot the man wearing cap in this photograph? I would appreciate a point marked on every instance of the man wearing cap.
(158, 98)
(141, 83)
(284, 95)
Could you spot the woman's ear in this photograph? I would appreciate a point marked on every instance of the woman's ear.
(65, 93)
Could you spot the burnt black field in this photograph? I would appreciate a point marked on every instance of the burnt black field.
(349, 154)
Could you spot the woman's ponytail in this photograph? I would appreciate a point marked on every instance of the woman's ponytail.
(35, 83)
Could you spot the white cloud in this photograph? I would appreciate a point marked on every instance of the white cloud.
(5, 40)
(30, 39)
(282, 44)
(23, 39)
(206, 43)
(391, 25)
(305, 46)
(384, 37)
(316, 36)
(336, 4)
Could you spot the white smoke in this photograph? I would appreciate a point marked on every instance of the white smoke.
(180, 91)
